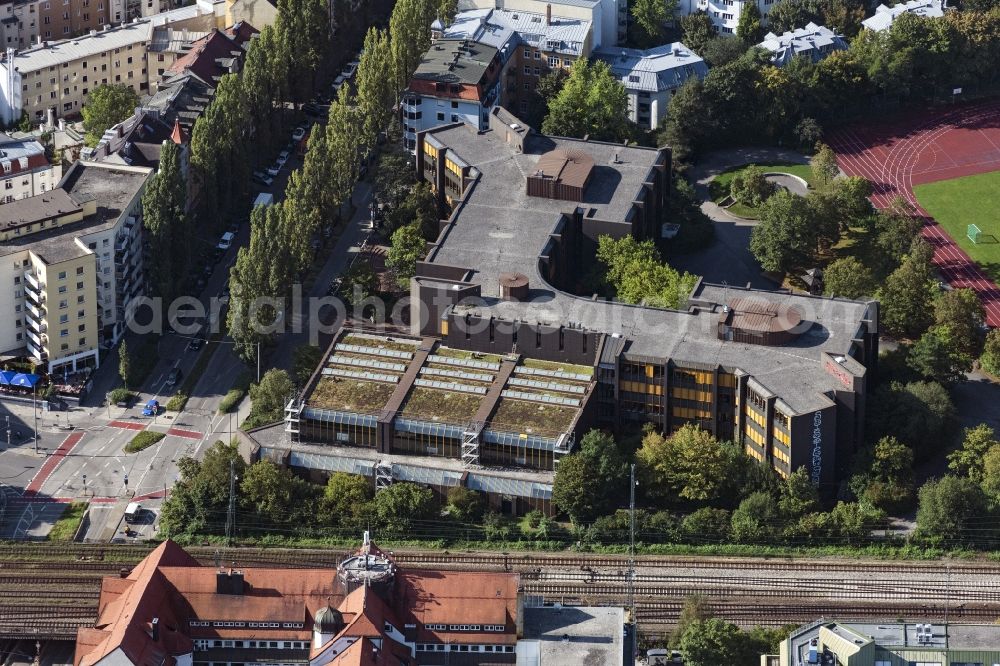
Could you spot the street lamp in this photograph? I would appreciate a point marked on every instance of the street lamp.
(84, 485)
(34, 412)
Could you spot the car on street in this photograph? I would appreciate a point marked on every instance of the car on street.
(174, 377)
(152, 408)
(298, 134)
(195, 344)
(311, 109)
(283, 157)
(274, 170)
(350, 68)
(263, 180)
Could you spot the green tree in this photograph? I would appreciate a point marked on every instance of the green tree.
(694, 609)
(343, 131)
(304, 25)
(592, 480)
(265, 79)
(374, 83)
(697, 29)
(991, 475)
(687, 129)
(722, 50)
(968, 459)
(346, 498)
(848, 278)
(592, 103)
(418, 208)
(166, 224)
(409, 37)
(712, 642)
(107, 105)
(270, 396)
(465, 505)
(824, 166)
(691, 464)
(990, 358)
(219, 146)
(756, 520)
(305, 358)
(198, 501)
(406, 249)
(962, 312)
(952, 510)
(750, 29)
(360, 283)
(937, 355)
(650, 15)
(885, 479)
(398, 506)
(906, 299)
(750, 186)
(798, 495)
(786, 236)
(895, 230)
(274, 494)
(707, 525)
(124, 363)
(791, 14)
(920, 414)
(638, 275)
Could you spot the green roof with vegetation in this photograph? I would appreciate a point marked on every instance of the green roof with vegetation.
(468, 355)
(527, 416)
(382, 343)
(350, 395)
(569, 368)
(438, 405)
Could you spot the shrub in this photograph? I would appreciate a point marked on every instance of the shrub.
(65, 528)
(177, 402)
(120, 394)
(143, 440)
(750, 186)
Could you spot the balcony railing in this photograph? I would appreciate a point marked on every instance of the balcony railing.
(31, 282)
(36, 311)
(38, 352)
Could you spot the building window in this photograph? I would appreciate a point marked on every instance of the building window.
(527, 71)
(440, 116)
(553, 62)
(538, 55)
(63, 333)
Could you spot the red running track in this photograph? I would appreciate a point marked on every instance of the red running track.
(961, 142)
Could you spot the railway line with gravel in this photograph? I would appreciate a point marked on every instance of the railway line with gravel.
(49, 591)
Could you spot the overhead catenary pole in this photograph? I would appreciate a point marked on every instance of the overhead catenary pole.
(631, 554)
(34, 412)
(231, 514)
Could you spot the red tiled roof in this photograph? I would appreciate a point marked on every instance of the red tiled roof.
(242, 32)
(201, 60)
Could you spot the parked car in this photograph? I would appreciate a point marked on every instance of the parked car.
(152, 408)
(298, 134)
(311, 109)
(174, 377)
(226, 241)
(283, 157)
(263, 180)
(274, 170)
(350, 68)
(195, 344)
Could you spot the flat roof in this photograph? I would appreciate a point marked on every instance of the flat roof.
(30, 210)
(502, 229)
(573, 635)
(455, 61)
(112, 186)
(897, 635)
(67, 50)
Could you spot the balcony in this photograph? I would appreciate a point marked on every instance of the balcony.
(36, 311)
(31, 282)
(38, 353)
(37, 325)
(36, 338)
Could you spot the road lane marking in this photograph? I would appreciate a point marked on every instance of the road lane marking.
(53, 461)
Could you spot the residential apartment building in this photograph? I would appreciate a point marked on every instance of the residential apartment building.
(884, 16)
(608, 18)
(506, 367)
(725, 14)
(813, 42)
(59, 75)
(891, 642)
(26, 170)
(651, 77)
(514, 49)
(368, 611)
(73, 260)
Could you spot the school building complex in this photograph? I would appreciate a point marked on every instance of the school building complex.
(507, 366)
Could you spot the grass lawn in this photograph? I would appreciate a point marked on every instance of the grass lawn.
(718, 189)
(957, 203)
(65, 528)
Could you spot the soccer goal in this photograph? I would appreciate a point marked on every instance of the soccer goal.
(975, 234)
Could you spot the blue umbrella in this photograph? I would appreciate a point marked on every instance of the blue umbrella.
(24, 379)
(6, 376)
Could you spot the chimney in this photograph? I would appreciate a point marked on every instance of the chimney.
(50, 118)
(548, 14)
(155, 629)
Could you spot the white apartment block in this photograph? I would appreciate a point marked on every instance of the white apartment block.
(608, 18)
(813, 42)
(72, 260)
(651, 77)
(884, 16)
(25, 171)
(725, 14)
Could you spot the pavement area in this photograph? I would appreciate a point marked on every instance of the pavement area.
(729, 260)
(80, 453)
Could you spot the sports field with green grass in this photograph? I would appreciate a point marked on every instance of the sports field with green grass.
(956, 204)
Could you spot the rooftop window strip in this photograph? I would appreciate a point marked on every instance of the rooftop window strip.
(556, 374)
(428, 475)
(539, 397)
(374, 351)
(522, 440)
(457, 374)
(367, 376)
(339, 417)
(420, 427)
(450, 386)
(367, 363)
(546, 386)
(463, 362)
(331, 463)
